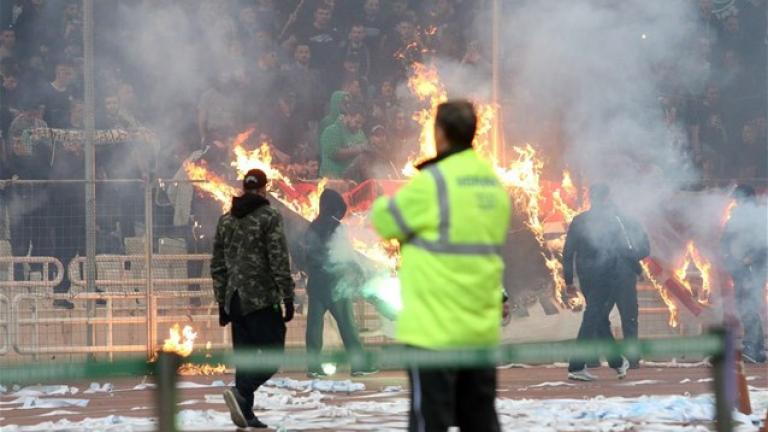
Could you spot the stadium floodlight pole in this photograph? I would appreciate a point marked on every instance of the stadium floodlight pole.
(496, 135)
(90, 159)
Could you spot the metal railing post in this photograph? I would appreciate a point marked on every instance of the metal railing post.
(89, 120)
(165, 403)
(723, 369)
(148, 258)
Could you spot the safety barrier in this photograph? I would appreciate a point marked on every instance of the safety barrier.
(31, 329)
(715, 344)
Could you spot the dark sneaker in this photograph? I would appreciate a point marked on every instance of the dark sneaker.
(256, 423)
(63, 304)
(235, 404)
(364, 372)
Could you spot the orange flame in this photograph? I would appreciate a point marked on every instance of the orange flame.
(245, 160)
(425, 83)
(523, 180)
(665, 296)
(180, 341)
(727, 212)
(702, 266)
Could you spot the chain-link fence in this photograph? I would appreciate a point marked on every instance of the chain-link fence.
(46, 310)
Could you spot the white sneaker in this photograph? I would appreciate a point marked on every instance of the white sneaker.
(621, 371)
(582, 375)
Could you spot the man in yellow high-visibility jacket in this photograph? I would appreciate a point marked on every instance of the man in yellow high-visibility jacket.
(451, 221)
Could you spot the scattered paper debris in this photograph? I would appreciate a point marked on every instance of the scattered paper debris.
(35, 403)
(552, 384)
(345, 386)
(58, 413)
(99, 388)
(49, 390)
(638, 383)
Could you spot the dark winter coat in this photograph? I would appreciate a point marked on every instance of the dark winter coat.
(604, 244)
(250, 256)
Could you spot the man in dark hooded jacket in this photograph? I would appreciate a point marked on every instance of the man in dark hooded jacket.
(325, 277)
(607, 247)
(745, 255)
(251, 274)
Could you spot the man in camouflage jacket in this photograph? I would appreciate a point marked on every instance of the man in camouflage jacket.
(251, 278)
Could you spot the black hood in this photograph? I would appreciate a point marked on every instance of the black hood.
(244, 205)
(332, 205)
(332, 211)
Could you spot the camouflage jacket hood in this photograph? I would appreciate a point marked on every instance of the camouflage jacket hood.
(250, 256)
(244, 205)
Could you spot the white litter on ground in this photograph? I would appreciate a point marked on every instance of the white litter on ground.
(99, 388)
(640, 382)
(312, 411)
(58, 413)
(193, 385)
(345, 386)
(49, 390)
(550, 384)
(37, 403)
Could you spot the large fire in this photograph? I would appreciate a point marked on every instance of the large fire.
(426, 85)
(523, 180)
(244, 160)
(521, 175)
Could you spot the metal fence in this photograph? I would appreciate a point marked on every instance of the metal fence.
(152, 270)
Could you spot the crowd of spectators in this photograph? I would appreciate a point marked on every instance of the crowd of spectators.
(723, 127)
(316, 79)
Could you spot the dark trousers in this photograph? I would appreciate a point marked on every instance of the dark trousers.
(341, 310)
(441, 398)
(262, 329)
(595, 324)
(626, 303)
(749, 287)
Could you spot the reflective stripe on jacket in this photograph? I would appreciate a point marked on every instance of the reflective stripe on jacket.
(452, 221)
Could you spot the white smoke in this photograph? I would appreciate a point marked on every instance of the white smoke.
(593, 65)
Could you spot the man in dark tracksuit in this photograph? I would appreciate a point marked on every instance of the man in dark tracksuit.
(607, 248)
(745, 254)
(324, 280)
(251, 278)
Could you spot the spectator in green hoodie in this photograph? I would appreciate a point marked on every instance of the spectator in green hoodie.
(334, 110)
(342, 143)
